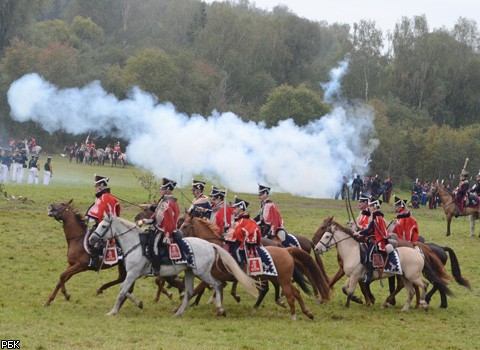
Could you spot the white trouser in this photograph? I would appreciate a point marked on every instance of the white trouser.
(33, 176)
(14, 171)
(4, 173)
(20, 173)
(46, 177)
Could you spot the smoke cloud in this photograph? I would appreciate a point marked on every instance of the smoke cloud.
(308, 161)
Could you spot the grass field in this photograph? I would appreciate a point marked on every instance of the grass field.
(33, 250)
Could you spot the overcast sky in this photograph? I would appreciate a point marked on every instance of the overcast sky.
(386, 13)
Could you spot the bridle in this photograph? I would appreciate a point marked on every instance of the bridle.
(109, 229)
(329, 243)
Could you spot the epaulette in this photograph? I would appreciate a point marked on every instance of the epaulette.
(404, 215)
(366, 212)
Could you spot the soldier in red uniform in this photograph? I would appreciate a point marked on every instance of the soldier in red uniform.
(376, 234)
(407, 226)
(105, 203)
(461, 192)
(269, 217)
(245, 234)
(363, 218)
(223, 213)
(164, 219)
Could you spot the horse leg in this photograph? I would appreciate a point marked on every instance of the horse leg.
(198, 292)
(390, 301)
(189, 278)
(262, 294)
(126, 287)
(287, 288)
(472, 224)
(349, 289)
(233, 292)
(410, 292)
(160, 282)
(122, 273)
(279, 302)
(449, 220)
(134, 300)
(218, 287)
(64, 277)
(297, 295)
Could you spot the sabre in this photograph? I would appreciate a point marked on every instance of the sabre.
(225, 212)
(124, 200)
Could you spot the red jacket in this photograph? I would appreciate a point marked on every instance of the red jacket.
(105, 203)
(363, 218)
(246, 230)
(377, 228)
(166, 215)
(219, 217)
(407, 227)
(270, 215)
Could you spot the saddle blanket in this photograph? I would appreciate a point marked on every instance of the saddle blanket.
(187, 255)
(291, 241)
(112, 252)
(393, 263)
(268, 266)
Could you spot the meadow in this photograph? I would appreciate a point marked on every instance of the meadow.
(32, 256)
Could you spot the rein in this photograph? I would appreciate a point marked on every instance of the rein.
(335, 241)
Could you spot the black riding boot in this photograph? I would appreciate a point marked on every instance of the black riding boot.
(95, 254)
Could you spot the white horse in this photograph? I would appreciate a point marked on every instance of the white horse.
(206, 256)
(412, 264)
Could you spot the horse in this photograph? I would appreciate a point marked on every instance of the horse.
(284, 259)
(450, 207)
(412, 263)
(369, 298)
(441, 253)
(208, 259)
(77, 258)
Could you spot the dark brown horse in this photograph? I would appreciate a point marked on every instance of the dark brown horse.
(77, 258)
(450, 206)
(285, 259)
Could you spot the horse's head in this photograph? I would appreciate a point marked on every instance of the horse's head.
(145, 213)
(186, 226)
(321, 230)
(103, 231)
(325, 243)
(58, 210)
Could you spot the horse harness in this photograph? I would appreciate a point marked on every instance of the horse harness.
(125, 253)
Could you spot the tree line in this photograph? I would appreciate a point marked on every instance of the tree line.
(423, 83)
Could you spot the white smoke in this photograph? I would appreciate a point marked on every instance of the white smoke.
(308, 161)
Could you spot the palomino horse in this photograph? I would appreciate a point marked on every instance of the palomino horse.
(441, 253)
(412, 264)
(208, 260)
(77, 258)
(450, 207)
(284, 259)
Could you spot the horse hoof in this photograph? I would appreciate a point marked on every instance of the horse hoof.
(309, 315)
(47, 303)
(221, 312)
(237, 299)
(111, 313)
(99, 292)
(357, 300)
(293, 317)
(140, 305)
(385, 305)
(281, 304)
(67, 297)
(169, 296)
(319, 301)
(404, 309)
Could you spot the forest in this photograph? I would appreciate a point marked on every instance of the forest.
(265, 66)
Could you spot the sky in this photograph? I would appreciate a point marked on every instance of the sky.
(386, 13)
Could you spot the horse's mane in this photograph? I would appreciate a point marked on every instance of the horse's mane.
(125, 221)
(78, 216)
(320, 231)
(208, 224)
(347, 230)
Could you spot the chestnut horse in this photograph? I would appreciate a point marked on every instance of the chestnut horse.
(77, 258)
(284, 259)
(450, 206)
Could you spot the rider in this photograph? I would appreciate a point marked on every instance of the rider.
(363, 218)
(105, 203)
(461, 192)
(245, 234)
(269, 217)
(376, 233)
(476, 187)
(201, 206)
(224, 213)
(357, 186)
(407, 226)
(164, 220)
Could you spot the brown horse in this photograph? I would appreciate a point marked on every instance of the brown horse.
(285, 259)
(77, 258)
(450, 206)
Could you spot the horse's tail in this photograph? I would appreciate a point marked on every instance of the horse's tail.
(434, 271)
(457, 274)
(312, 271)
(319, 261)
(250, 285)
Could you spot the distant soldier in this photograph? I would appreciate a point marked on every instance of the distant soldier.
(33, 168)
(461, 192)
(22, 163)
(357, 186)
(201, 206)
(48, 171)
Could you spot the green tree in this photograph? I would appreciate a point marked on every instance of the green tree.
(301, 104)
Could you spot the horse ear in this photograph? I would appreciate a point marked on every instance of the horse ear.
(70, 201)
(144, 206)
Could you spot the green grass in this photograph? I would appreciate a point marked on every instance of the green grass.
(33, 251)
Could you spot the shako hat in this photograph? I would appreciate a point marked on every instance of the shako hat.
(363, 198)
(263, 190)
(398, 201)
(198, 185)
(101, 180)
(240, 203)
(168, 184)
(374, 202)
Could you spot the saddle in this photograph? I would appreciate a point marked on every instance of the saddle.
(471, 200)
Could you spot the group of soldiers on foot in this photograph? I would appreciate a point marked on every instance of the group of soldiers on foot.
(13, 167)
